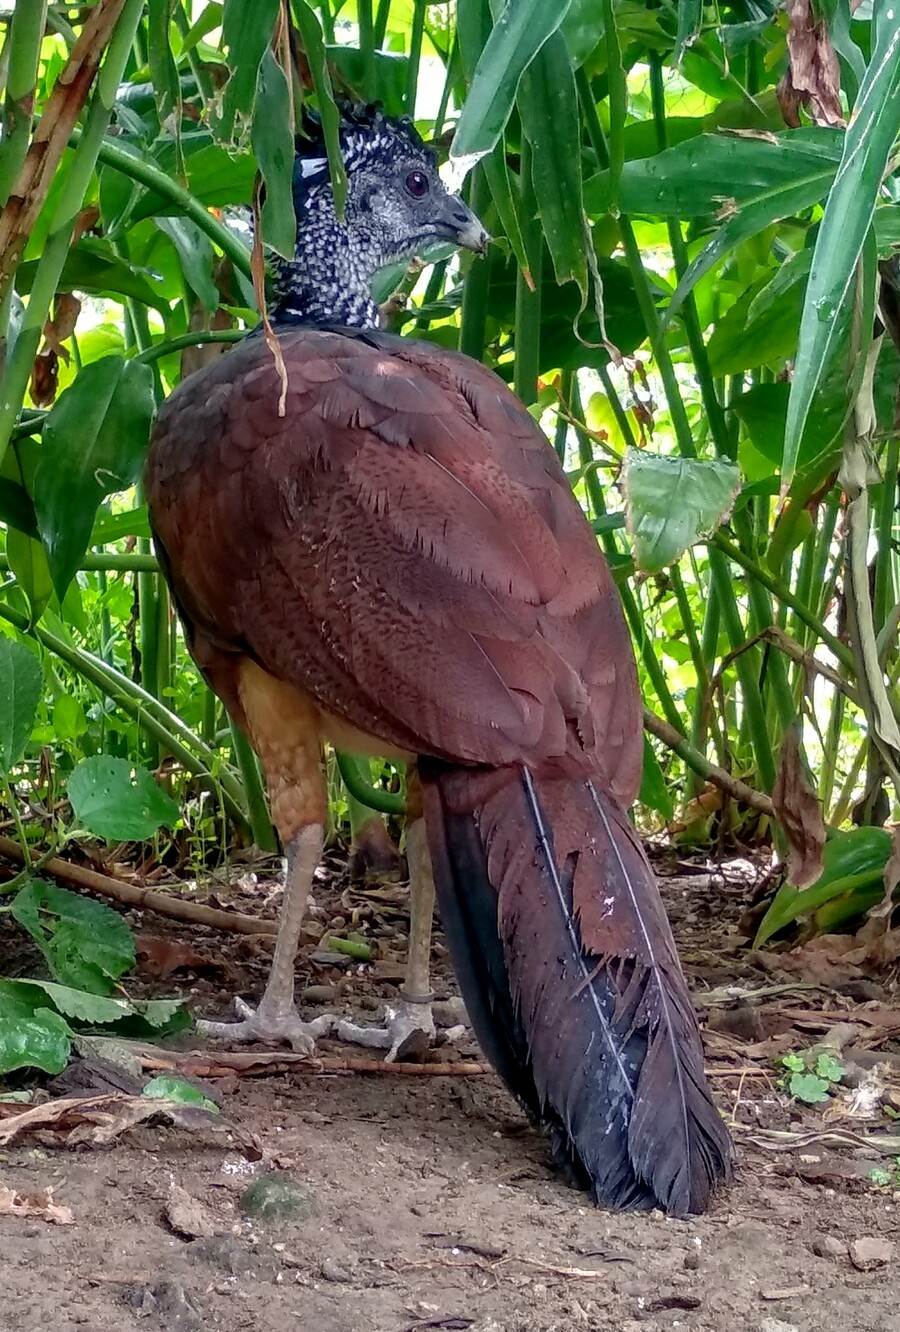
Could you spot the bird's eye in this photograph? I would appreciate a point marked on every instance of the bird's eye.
(417, 184)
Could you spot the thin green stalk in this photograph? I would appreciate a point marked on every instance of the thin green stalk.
(367, 46)
(562, 425)
(13, 804)
(433, 289)
(415, 55)
(700, 722)
(884, 574)
(167, 728)
(26, 32)
(105, 620)
(473, 316)
(385, 802)
(257, 807)
(828, 770)
(782, 592)
(381, 22)
(210, 713)
(71, 197)
(452, 61)
(746, 667)
(528, 302)
(202, 75)
(158, 350)
(111, 563)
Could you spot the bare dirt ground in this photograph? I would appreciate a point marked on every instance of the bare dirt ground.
(426, 1202)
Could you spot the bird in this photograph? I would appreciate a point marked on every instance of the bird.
(384, 553)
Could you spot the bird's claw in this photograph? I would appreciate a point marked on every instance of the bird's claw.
(407, 1034)
(271, 1025)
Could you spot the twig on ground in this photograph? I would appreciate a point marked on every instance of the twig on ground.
(219, 1063)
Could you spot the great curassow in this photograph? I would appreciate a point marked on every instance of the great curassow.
(397, 565)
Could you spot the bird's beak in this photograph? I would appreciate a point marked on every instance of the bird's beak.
(467, 230)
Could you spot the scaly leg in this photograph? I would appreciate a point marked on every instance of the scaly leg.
(409, 1029)
(276, 1019)
(284, 727)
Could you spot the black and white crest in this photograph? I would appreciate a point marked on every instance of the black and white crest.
(368, 138)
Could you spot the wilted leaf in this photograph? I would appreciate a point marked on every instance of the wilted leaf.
(21, 681)
(87, 945)
(247, 27)
(799, 813)
(118, 801)
(671, 502)
(101, 1119)
(39, 1204)
(273, 144)
(813, 76)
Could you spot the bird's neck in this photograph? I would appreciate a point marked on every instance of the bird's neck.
(327, 281)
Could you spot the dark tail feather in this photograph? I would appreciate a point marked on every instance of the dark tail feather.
(570, 974)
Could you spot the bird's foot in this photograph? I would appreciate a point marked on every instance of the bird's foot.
(407, 1034)
(271, 1024)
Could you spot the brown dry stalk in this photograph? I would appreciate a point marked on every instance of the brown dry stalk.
(149, 899)
(70, 92)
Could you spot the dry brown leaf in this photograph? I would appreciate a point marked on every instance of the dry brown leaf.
(813, 75)
(158, 955)
(44, 378)
(187, 1215)
(39, 1204)
(799, 814)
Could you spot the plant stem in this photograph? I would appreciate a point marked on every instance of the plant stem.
(415, 55)
(528, 302)
(473, 315)
(367, 46)
(257, 808)
(26, 33)
(385, 802)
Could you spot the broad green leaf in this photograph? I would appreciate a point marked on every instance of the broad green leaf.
(21, 681)
(869, 140)
(169, 1087)
(350, 65)
(30, 1037)
(273, 144)
(713, 173)
(94, 442)
(742, 341)
(117, 801)
(517, 36)
(313, 45)
(90, 269)
(196, 255)
(548, 106)
(247, 27)
(654, 792)
(28, 561)
(671, 502)
(808, 1088)
(113, 526)
(97, 1010)
(16, 507)
(208, 20)
(86, 944)
(850, 860)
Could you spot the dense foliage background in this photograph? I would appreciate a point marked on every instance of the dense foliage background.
(694, 286)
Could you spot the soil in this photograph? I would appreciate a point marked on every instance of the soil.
(427, 1202)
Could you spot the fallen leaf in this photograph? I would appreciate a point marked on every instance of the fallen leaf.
(813, 75)
(799, 813)
(39, 1204)
(159, 956)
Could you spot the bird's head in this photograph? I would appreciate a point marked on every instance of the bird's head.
(394, 192)
(397, 207)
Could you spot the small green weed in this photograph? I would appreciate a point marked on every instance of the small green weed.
(811, 1076)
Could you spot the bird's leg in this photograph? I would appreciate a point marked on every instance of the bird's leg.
(409, 1028)
(283, 725)
(276, 1019)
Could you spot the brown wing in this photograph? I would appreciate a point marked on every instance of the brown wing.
(402, 544)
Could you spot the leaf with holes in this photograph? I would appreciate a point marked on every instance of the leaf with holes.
(94, 443)
(671, 502)
(247, 27)
(21, 681)
(86, 944)
(118, 801)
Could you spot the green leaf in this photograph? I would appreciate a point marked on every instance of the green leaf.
(846, 223)
(671, 502)
(117, 801)
(92, 267)
(654, 792)
(548, 105)
(247, 27)
(712, 172)
(94, 442)
(30, 1037)
(86, 944)
(163, 72)
(273, 144)
(829, 1067)
(794, 1063)
(100, 1010)
(168, 1087)
(313, 45)
(851, 860)
(808, 1088)
(21, 681)
(516, 37)
(196, 254)
(28, 561)
(16, 507)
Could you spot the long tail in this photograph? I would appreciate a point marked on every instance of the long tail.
(569, 971)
